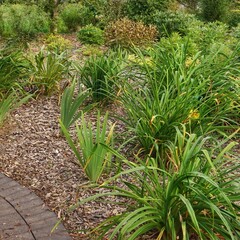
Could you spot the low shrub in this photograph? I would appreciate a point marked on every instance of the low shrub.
(91, 50)
(138, 9)
(57, 43)
(126, 33)
(91, 35)
(204, 35)
(168, 22)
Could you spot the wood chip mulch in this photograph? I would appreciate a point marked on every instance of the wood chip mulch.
(33, 152)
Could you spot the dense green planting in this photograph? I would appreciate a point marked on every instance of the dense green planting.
(100, 74)
(173, 89)
(73, 16)
(192, 196)
(22, 21)
(91, 35)
(177, 84)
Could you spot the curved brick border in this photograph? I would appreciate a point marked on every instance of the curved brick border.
(23, 215)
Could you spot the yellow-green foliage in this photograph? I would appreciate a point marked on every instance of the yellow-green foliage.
(125, 32)
(57, 43)
(89, 50)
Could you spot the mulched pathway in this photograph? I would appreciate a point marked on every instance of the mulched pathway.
(33, 152)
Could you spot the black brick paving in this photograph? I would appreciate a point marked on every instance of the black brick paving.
(23, 215)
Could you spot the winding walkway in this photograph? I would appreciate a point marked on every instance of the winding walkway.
(23, 215)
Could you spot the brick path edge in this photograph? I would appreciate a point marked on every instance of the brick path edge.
(24, 216)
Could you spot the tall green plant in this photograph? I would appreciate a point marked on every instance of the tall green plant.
(93, 157)
(70, 105)
(195, 197)
(20, 20)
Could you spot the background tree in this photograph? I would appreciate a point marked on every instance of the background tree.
(215, 10)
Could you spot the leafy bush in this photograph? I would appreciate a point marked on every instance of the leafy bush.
(75, 15)
(57, 43)
(138, 9)
(168, 22)
(175, 39)
(125, 32)
(91, 35)
(93, 156)
(236, 31)
(90, 50)
(100, 74)
(215, 10)
(204, 35)
(22, 20)
(196, 197)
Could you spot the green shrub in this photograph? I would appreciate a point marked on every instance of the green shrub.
(195, 197)
(204, 35)
(126, 33)
(22, 20)
(138, 9)
(215, 10)
(91, 35)
(57, 43)
(175, 39)
(75, 15)
(168, 22)
(90, 50)
(235, 32)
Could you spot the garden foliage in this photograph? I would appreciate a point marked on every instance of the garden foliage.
(91, 35)
(93, 157)
(19, 20)
(177, 83)
(193, 197)
(126, 33)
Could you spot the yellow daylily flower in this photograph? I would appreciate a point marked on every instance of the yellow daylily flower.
(194, 114)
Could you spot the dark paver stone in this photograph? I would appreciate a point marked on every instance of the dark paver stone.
(24, 216)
